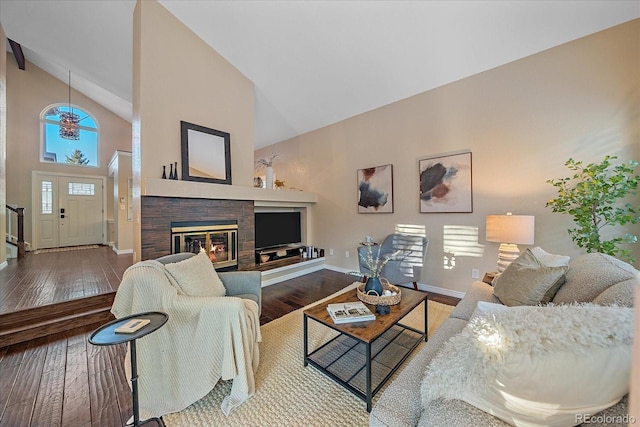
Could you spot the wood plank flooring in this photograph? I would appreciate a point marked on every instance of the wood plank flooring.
(62, 380)
(49, 278)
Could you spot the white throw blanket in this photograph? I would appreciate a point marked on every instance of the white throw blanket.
(205, 339)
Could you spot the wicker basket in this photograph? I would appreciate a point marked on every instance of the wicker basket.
(374, 299)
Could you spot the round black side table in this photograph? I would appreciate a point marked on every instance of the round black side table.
(106, 335)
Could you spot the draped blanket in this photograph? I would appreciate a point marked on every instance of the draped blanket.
(205, 339)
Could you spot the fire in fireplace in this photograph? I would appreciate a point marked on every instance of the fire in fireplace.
(219, 239)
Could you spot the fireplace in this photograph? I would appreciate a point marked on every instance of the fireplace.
(219, 239)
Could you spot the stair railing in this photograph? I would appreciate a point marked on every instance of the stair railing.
(19, 212)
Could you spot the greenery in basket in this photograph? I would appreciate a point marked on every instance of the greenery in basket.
(593, 197)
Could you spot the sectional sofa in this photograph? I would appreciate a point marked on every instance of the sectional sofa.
(590, 283)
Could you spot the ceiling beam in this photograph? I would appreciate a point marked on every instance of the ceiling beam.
(17, 52)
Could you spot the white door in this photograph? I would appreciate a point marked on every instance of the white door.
(71, 211)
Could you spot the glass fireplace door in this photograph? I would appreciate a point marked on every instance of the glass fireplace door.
(219, 244)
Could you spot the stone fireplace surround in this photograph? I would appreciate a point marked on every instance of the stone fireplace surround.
(157, 214)
(164, 201)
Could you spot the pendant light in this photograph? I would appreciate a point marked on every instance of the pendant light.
(69, 121)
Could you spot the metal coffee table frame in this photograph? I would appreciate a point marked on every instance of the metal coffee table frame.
(365, 355)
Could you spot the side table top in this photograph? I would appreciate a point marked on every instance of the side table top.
(106, 335)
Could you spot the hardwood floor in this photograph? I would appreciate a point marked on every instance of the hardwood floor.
(62, 380)
(49, 278)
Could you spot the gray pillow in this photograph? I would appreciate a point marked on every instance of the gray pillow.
(531, 279)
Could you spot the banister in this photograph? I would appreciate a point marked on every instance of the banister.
(20, 217)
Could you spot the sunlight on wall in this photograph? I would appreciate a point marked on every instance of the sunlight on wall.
(460, 240)
(413, 253)
(411, 229)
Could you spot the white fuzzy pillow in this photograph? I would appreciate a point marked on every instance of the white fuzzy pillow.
(196, 277)
(537, 366)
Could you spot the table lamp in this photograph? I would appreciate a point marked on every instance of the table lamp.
(509, 230)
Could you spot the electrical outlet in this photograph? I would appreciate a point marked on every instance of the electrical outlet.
(475, 273)
(346, 254)
(331, 252)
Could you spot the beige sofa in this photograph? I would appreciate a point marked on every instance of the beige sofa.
(593, 278)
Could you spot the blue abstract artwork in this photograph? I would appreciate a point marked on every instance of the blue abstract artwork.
(445, 184)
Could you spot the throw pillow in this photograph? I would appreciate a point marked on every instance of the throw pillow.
(196, 277)
(537, 366)
(534, 277)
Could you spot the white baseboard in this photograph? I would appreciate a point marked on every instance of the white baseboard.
(338, 269)
(271, 277)
(3, 265)
(442, 291)
(121, 251)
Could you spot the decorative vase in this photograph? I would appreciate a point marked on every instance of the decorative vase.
(175, 171)
(373, 284)
(269, 177)
(171, 172)
(164, 172)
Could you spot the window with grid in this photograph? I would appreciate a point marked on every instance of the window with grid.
(81, 152)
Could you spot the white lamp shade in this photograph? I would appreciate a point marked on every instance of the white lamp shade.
(518, 229)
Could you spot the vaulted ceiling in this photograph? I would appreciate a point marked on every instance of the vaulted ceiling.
(313, 63)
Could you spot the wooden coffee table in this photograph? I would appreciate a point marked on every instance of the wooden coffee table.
(365, 354)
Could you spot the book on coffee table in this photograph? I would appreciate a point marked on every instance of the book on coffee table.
(349, 312)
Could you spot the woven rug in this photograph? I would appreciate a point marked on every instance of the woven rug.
(289, 394)
(65, 249)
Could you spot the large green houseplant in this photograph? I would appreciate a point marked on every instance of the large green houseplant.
(594, 197)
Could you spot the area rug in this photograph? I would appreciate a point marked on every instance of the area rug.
(65, 249)
(289, 394)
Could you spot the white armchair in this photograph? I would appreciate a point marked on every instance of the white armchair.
(212, 333)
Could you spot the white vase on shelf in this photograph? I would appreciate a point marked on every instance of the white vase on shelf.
(269, 177)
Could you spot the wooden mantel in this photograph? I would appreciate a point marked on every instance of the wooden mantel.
(201, 190)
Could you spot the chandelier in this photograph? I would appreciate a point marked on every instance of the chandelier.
(69, 121)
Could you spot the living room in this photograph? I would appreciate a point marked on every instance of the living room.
(521, 121)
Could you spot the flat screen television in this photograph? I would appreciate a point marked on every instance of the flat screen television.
(277, 229)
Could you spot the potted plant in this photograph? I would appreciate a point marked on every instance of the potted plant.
(593, 196)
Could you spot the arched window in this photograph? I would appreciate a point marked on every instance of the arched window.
(81, 152)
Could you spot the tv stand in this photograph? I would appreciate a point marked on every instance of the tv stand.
(265, 256)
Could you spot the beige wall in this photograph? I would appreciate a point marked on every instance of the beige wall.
(521, 121)
(3, 141)
(28, 93)
(179, 77)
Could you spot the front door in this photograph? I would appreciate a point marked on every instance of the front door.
(69, 211)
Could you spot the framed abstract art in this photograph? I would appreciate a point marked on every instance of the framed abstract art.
(445, 184)
(375, 189)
